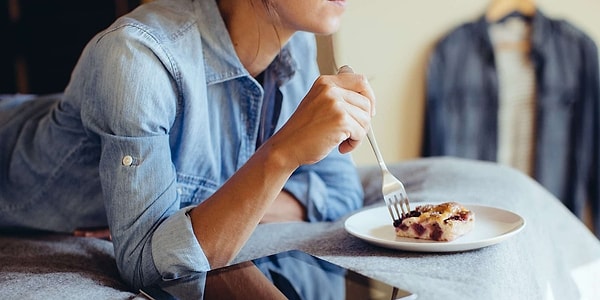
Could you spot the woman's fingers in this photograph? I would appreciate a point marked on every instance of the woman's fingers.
(357, 83)
(336, 112)
(358, 107)
(361, 107)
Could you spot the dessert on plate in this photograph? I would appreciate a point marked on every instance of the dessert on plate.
(438, 222)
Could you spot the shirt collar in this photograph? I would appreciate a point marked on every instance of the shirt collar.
(220, 59)
(539, 33)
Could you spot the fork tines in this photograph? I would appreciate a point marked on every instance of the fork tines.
(398, 206)
(392, 189)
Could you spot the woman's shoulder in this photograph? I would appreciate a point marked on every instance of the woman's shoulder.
(160, 20)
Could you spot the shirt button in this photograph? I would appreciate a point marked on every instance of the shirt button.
(127, 160)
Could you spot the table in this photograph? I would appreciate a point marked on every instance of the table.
(554, 257)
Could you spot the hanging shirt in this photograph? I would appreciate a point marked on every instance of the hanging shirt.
(462, 105)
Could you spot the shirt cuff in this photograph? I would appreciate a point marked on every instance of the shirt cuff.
(175, 250)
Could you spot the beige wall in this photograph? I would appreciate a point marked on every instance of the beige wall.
(389, 41)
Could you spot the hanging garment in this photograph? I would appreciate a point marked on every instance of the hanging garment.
(462, 105)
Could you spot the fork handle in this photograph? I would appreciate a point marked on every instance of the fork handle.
(370, 134)
(373, 142)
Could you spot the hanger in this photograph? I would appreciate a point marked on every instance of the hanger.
(500, 10)
(515, 15)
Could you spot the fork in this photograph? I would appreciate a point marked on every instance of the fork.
(393, 191)
(394, 194)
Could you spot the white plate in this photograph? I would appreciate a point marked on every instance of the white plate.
(492, 226)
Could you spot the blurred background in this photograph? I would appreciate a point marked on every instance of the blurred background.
(389, 41)
(42, 40)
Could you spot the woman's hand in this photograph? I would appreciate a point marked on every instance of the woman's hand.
(336, 112)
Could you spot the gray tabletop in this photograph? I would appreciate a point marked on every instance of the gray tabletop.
(554, 257)
(537, 263)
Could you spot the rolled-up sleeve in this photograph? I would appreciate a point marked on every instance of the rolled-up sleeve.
(129, 104)
(175, 251)
(152, 235)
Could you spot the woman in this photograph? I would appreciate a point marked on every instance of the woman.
(184, 125)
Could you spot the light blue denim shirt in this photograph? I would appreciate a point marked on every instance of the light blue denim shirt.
(159, 112)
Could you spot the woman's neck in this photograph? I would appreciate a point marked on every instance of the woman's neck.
(256, 38)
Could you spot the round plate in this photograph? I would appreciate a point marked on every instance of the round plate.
(492, 226)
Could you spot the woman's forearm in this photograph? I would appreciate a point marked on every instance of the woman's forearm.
(225, 221)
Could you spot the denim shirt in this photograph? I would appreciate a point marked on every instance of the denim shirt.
(462, 105)
(158, 114)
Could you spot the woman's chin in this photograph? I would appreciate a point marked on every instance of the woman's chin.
(327, 28)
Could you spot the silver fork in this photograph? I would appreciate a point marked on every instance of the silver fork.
(394, 194)
(393, 190)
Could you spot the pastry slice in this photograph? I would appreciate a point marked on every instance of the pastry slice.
(439, 222)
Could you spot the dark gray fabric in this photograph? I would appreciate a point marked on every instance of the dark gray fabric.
(535, 264)
(532, 265)
(49, 266)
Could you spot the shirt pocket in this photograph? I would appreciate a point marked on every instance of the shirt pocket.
(194, 189)
(560, 97)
